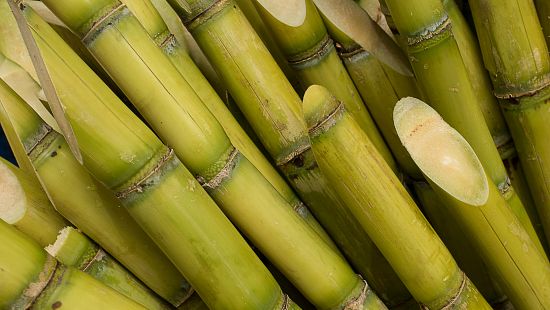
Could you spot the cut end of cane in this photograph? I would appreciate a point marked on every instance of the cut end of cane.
(318, 105)
(442, 154)
(13, 202)
(62, 236)
(288, 12)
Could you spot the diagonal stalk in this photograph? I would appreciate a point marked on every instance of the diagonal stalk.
(89, 205)
(442, 75)
(519, 66)
(481, 84)
(352, 165)
(458, 177)
(311, 53)
(272, 108)
(26, 207)
(153, 185)
(158, 30)
(380, 87)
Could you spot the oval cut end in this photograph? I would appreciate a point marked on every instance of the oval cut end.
(13, 202)
(440, 151)
(288, 12)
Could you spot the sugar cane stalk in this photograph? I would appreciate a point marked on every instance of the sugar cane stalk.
(89, 205)
(355, 169)
(27, 208)
(272, 108)
(519, 66)
(158, 30)
(457, 176)
(481, 84)
(441, 73)
(158, 191)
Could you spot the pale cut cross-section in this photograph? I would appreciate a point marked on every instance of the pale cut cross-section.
(288, 12)
(442, 154)
(13, 202)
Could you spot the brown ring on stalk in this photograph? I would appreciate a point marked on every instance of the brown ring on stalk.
(326, 123)
(224, 173)
(438, 28)
(453, 300)
(40, 135)
(318, 52)
(545, 82)
(137, 186)
(97, 25)
(35, 289)
(290, 157)
(355, 50)
(205, 15)
(38, 149)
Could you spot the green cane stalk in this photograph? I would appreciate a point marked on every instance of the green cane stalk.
(158, 30)
(181, 104)
(31, 279)
(228, 178)
(382, 87)
(443, 77)
(481, 84)
(519, 67)
(27, 208)
(312, 55)
(462, 250)
(255, 20)
(153, 185)
(356, 170)
(273, 109)
(457, 176)
(89, 205)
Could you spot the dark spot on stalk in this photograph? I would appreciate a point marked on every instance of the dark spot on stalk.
(59, 146)
(56, 305)
(298, 161)
(53, 154)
